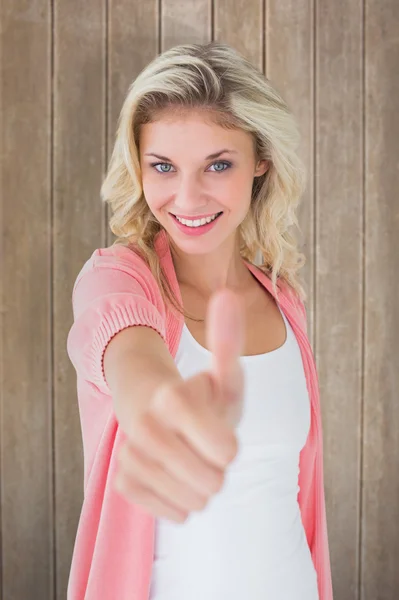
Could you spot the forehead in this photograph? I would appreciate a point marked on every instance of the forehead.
(192, 129)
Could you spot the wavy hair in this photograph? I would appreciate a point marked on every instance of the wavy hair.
(216, 77)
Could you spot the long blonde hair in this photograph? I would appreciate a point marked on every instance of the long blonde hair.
(213, 76)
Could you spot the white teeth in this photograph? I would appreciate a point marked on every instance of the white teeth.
(197, 222)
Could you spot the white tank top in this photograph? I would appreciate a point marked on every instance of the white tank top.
(249, 541)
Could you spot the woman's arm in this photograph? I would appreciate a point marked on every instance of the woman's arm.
(136, 363)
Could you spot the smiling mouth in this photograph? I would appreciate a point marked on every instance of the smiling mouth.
(194, 218)
(198, 225)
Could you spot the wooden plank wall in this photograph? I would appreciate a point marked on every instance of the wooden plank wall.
(66, 66)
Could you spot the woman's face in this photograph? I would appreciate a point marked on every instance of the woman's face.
(194, 168)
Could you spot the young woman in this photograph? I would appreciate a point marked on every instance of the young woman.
(197, 385)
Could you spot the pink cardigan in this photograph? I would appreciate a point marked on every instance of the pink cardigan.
(114, 545)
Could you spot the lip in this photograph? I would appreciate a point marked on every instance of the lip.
(195, 217)
(195, 231)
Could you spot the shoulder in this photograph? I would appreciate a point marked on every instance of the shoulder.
(105, 263)
(113, 257)
(114, 289)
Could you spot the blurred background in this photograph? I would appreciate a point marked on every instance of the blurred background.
(65, 69)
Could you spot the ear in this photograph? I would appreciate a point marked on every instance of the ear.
(261, 167)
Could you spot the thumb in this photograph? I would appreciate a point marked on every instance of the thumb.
(225, 331)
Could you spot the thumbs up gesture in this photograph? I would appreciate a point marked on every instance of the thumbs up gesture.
(225, 334)
(189, 425)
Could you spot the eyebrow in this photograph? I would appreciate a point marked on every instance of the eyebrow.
(210, 157)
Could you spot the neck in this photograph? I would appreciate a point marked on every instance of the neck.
(207, 273)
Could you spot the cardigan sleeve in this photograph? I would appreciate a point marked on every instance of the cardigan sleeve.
(114, 290)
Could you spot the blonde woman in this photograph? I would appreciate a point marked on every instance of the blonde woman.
(197, 385)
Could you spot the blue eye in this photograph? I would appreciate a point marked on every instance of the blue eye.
(225, 164)
(161, 165)
(166, 167)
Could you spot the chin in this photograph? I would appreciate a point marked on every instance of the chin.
(195, 245)
(199, 246)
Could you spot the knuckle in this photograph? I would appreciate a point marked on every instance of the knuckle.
(135, 466)
(175, 403)
(128, 487)
(127, 458)
(217, 482)
(168, 400)
(202, 503)
(143, 429)
(123, 456)
(193, 501)
(231, 449)
(140, 494)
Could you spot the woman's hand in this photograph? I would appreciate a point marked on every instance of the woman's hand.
(179, 446)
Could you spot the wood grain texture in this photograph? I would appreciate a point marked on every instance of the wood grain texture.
(185, 22)
(133, 41)
(240, 24)
(289, 64)
(79, 143)
(26, 410)
(65, 71)
(380, 517)
(339, 275)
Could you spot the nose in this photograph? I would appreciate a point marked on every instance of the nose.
(189, 196)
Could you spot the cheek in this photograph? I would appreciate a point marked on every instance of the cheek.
(235, 192)
(154, 193)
